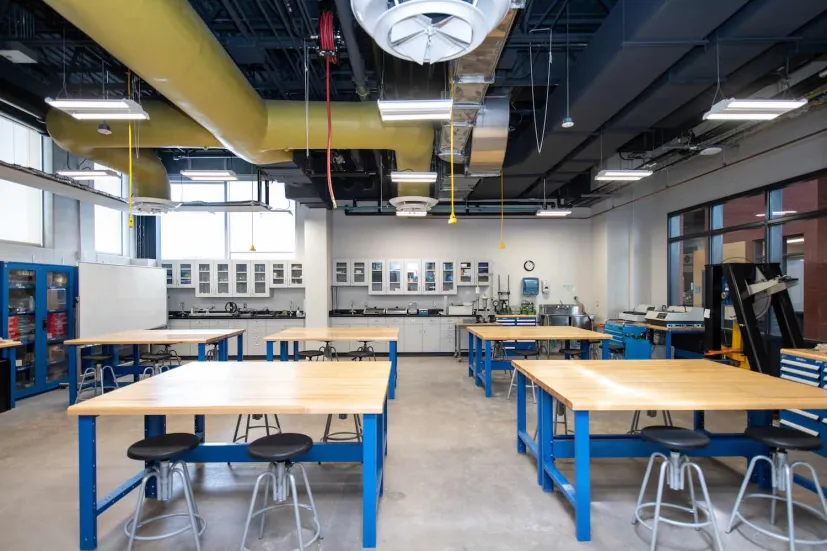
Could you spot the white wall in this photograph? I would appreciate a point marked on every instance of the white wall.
(629, 230)
(559, 249)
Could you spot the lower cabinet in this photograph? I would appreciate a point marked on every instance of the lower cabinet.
(254, 332)
(416, 334)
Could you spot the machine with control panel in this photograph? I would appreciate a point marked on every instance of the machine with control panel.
(638, 314)
(677, 316)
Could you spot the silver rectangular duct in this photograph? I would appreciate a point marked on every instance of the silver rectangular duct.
(490, 137)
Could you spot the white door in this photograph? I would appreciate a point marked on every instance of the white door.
(377, 278)
(260, 285)
(412, 335)
(170, 269)
(430, 277)
(296, 274)
(223, 283)
(449, 282)
(413, 270)
(341, 273)
(395, 285)
(466, 273)
(204, 283)
(278, 274)
(358, 273)
(241, 279)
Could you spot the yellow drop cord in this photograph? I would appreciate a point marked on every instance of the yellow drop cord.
(453, 218)
(129, 128)
(502, 208)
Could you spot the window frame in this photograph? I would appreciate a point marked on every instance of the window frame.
(44, 211)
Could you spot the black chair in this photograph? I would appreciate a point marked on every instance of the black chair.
(674, 471)
(279, 450)
(310, 355)
(571, 352)
(781, 440)
(162, 451)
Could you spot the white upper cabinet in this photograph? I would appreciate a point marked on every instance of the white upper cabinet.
(241, 279)
(223, 283)
(448, 277)
(378, 277)
(341, 273)
(359, 273)
(185, 274)
(467, 275)
(260, 282)
(170, 269)
(296, 274)
(484, 275)
(430, 277)
(395, 275)
(204, 278)
(278, 273)
(413, 272)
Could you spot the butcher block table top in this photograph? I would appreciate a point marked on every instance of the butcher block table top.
(331, 334)
(159, 336)
(539, 333)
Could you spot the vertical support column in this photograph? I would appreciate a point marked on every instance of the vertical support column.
(540, 440)
(586, 347)
(87, 482)
(283, 351)
(470, 354)
(488, 358)
(11, 355)
(202, 352)
(520, 410)
(223, 350)
(295, 351)
(546, 436)
(668, 344)
(699, 420)
(369, 480)
(393, 354)
(72, 351)
(385, 424)
(239, 356)
(604, 347)
(269, 346)
(155, 425)
(582, 477)
(380, 450)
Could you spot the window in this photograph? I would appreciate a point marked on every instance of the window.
(109, 223)
(191, 235)
(688, 223)
(21, 207)
(273, 234)
(687, 260)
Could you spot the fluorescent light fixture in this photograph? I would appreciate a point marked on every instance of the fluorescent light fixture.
(795, 240)
(568, 122)
(553, 213)
(100, 109)
(210, 175)
(102, 116)
(409, 177)
(96, 104)
(416, 110)
(412, 213)
(622, 175)
(88, 174)
(751, 109)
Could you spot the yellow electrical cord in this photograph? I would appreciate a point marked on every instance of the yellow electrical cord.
(502, 208)
(129, 127)
(453, 218)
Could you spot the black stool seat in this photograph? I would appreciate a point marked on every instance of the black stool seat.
(163, 447)
(280, 447)
(571, 351)
(155, 356)
(526, 353)
(675, 438)
(97, 357)
(360, 354)
(310, 354)
(784, 439)
(616, 348)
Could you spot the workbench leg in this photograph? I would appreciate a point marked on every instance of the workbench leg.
(488, 357)
(136, 362)
(385, 425)
(546, 436)
(477, 361)
(699, 420)
(11, 355)
(604, 347)
(201, 428)
(370, 481)
(239, 355)
(380, 451)
(582, 477)
(586, 347)
(87, 482)
(283, 345)
(762, 473)
(202, 355)
(540, 439)
(668, 344)
(470, 354)
(269, 346)
(154, 425)
(108, 381)
(520, 410)
(72, 351)
(392, 391)
(223, 350)
(295, 351)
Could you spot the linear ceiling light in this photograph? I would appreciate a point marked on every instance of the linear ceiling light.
(416, 110)
(553, 213)
(751, 109)
(622, 175)
(100, 109)
(795, 240)
(210, 175)
(412, 213)
(88, 174)
(410, 177)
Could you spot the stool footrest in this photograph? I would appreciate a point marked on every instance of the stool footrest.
(672, 521)
(775, 535)
(201, 522)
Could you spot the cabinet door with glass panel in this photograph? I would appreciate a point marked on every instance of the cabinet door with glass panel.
(483, 276)
(260, 284)
(186, 278)
(448, 273)
(204, 278)
(378, 278)
(169, 267)
(242, 286)
(296, 274)
(413, 270)
(466, 273)
(59, 325)
(395, 274)
(358, 273)
(223, 281)
(278, 273)
(430, 277)
(341, 273)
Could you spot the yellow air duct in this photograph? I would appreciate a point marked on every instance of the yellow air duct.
(169, 46)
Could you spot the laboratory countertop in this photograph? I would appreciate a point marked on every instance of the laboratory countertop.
(178, 315)
(332, 315)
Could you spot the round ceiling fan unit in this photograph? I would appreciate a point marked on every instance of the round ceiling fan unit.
(413, 203)
(429, 31)
(152, 206)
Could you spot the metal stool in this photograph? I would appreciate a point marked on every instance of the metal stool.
(94, 378)
(635, 428)
(781, 440)
(164, 449)
(266, 426)
(343, 436)
(212, 353)
(526, 354)
(570, 353)
(616, 351)
(310, 355)
(329, 351)
(364, 351)
(672, 472)
(279, 450)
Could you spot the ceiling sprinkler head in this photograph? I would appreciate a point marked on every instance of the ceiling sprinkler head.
(104, 129)
(568, 122)
(713, 150)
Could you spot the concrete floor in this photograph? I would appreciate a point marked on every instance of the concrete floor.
(453, 481)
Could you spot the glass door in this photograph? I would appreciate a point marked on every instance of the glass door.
(466, 273)
(341, 269)
(57, 324)
(204, 288)
(395, 277)
(377, 277)
(278, 274)
(430, 276)
(296, 275)
(412, 268)
(358, 273)
(448, 282)
(242, 278)
(483, 273)
(222, 279)
(22, 324)
(185, 275)
(260, 279)
(169, 268)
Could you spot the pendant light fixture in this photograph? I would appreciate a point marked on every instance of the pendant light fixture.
(568, 122)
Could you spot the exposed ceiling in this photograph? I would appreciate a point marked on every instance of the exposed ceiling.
(641, 72)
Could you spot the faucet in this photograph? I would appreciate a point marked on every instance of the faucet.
(352, 310)
(413, 305)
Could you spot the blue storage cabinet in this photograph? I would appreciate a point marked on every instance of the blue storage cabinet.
(37, 307)
(633, 337)
(518, 320)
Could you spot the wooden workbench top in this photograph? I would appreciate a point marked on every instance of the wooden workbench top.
(159, 336)
(475, 323)
(9, 344)
(536, 333)
(332, 334)
(809, 353)
(522, 316)
(250, 387)
(626, 385)
(674, 329)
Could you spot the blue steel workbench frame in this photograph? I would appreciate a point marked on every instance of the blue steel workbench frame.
(582, 446)
(482, 365)
(136, 369)
(284, 356)
(10, 354)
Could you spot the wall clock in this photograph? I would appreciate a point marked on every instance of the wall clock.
(529, 265)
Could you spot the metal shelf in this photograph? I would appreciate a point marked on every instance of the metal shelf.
(57, 340)
(57, 311)
(24, 313)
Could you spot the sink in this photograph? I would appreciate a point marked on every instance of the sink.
(347, 312)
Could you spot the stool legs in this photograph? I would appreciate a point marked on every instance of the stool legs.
(514, 384)
(342, 436)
